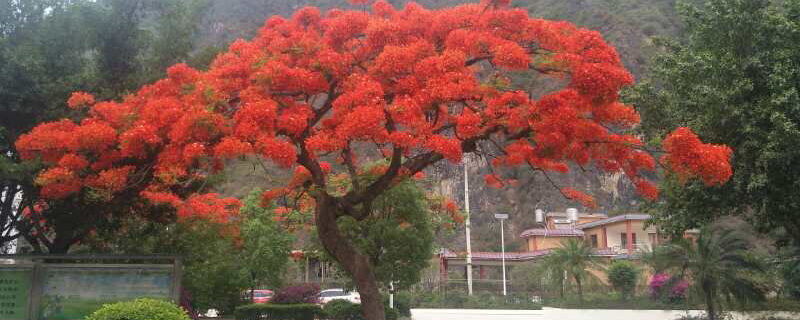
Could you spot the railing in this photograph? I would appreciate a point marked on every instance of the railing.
(637, 248)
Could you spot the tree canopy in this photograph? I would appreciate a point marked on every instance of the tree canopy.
(325, 92)
(734, 81)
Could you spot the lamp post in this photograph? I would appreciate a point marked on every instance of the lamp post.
(503, 247)
(467, 225)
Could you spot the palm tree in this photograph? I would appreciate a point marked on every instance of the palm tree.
(574, 257)
(719, 266)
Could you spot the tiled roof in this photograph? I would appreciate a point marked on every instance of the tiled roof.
(514, 256)
(580, 215)
(619, 218)
(552, 233)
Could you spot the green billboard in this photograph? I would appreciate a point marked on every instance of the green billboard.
(69, 293)
(15, 286)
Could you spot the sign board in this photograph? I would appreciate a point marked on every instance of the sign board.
(15, 285)
(98, 286)
(500, 216)
(33, 289)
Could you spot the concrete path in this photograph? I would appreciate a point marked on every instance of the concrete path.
(562, 314)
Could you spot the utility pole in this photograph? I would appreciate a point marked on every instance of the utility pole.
(467, 225)
(503, 248)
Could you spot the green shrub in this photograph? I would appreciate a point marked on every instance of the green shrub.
(479, 301)
(140, 309)
(277, 311)
(622, 276)
(339, 309)
(402, 303)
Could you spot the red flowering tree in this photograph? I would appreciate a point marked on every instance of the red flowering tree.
(324, 92)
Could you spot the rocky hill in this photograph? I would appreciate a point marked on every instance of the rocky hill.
(629, 25)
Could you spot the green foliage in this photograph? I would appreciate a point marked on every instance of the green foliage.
(51, 48)
(340, 309)
(789, 270)
(277, 311)
(733, 81)
(140, 309)
(576, 258)
(460, 300)
(217, 267)
(265, 250)
(720, 267)
(623, 275)
(398, 236)
(402, 303)
(531, 277)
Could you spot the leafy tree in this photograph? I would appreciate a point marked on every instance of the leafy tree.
(733, 80)
(49, 49)
(720, 267)
(413, 86)
(575, 258)
(622, 275)
(265, 246)
(397, 237)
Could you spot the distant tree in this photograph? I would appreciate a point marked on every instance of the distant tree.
(49, 49)
(413, 87)
(576, 259)
(265, 246)
(732, 79)
(622, 276)
(398, 236)
(720, 267)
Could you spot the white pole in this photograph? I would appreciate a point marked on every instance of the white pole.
(391, 294)
(503, 250)
(467, 225)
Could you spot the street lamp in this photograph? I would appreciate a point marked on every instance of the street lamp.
(503, 247)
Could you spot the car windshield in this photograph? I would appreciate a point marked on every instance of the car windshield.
(332, 293)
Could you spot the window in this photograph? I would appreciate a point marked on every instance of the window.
(332, 293)
(624, 238)
(594, 240)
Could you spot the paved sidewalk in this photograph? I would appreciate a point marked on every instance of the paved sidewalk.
(563, 314)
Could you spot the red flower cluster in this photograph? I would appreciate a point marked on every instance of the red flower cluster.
(80, 99)
(422, 82)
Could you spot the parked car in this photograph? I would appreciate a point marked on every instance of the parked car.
(328, 295)
(259, 295)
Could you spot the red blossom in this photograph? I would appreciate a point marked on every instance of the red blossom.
(80, 99)
(585, 199)
(318, 86)
(689, 157)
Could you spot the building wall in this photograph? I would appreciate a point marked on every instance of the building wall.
(615, 231)
(581, 219)
(544, 243)
(597, 232)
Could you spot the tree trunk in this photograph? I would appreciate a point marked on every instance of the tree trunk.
(708, 294)
(580, 288)
(354, 262)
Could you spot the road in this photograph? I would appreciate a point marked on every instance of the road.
(561, 314)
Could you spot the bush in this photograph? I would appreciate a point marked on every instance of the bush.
(339, 309)
(140, 309)
(480, 301)
(307, 293)
(259, 311)
(622, 276)
(402, 303)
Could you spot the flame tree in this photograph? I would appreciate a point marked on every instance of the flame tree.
(323, 92)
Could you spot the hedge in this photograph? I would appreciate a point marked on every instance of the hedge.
(339, 309)
(140, 309)
(260, 311)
